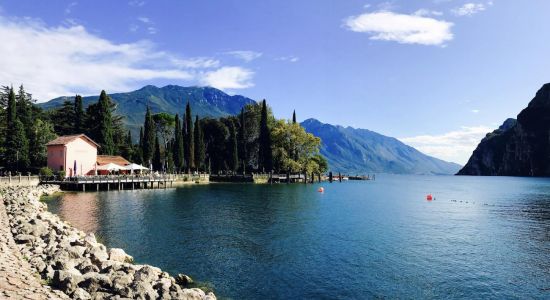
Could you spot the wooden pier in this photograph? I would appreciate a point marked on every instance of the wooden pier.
(129, 182)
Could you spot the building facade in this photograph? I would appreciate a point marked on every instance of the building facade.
(74, 154)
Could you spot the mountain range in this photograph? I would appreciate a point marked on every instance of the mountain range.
(520, 147)
(361, 151)
(348, 150)
(205, 101)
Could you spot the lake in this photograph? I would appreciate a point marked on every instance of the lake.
(481, 237)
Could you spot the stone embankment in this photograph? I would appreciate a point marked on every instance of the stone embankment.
(39, 250)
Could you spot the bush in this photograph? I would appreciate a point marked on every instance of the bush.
(45, 171)
(61, 174)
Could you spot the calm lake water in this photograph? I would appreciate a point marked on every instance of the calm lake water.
(482, 237)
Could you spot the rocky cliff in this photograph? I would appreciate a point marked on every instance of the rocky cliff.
(517, 148)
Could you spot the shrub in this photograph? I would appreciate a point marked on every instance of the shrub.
(45, 171)
(61, 174)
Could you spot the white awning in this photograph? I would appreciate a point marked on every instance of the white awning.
(135, 167)
(111, 167)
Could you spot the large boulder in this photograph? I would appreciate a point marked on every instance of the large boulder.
(119, 255)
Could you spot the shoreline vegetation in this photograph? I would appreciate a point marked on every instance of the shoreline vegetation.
(252, 141)
(77, 264)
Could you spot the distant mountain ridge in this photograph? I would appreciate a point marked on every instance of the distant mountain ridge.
(361, 151)
(205, 101)
(519, 147)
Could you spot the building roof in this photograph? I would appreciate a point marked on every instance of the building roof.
(107, 159)
(65, 139)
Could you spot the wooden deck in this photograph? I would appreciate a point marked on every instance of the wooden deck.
(123, 182)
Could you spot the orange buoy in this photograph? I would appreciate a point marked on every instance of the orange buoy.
(429, 197)
(321, 190)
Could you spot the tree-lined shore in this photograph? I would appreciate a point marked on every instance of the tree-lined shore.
(252, 141)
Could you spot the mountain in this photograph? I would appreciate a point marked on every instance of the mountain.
(205, 101)
(361, 151)
(517, 148)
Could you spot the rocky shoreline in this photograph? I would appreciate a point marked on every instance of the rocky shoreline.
(74, 263)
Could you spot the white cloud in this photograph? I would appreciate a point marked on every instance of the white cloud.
(196, 63)
(55, 61)
(229, 78)
(469, 9)
(401, 28)
(245, 55)
(475, 111)
(290, 58)
(426, 12)
(137, 3)
(148, 23)
(456, 146)
(69, 8)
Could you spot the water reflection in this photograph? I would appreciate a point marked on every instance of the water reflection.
(80, 210)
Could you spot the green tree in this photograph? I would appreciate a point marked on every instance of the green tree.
(105, 126)
(78, 115)
(63, 119)
(232, 148)
(41, 133)
(265, 152)
(294, 117)
(148, 137)
(215, 138)
(295, 150)
(127, 151)
(189, 140)
(157, 157)
(199, 144)
(178, 146)
(24, 110)
(17, 148)
(242, 141)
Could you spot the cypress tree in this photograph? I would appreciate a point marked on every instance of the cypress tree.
(178, 145)
(105, 130)
(148, 147)
(242, 140)
(294, 117)
(265, 156)
(199, 144)
(157, 157)
(233, 162)
(24, 110)
(17, 146)
(78, 115)
(190, 142)
(138, 156)
(129, 147)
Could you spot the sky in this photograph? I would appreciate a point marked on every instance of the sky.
(437, 74)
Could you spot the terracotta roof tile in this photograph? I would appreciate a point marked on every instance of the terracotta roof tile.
(65, 139)
(105, 159)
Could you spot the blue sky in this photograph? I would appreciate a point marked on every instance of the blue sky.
(436, 74)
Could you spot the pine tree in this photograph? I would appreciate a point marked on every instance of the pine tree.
(157, 156)
(178, 146)
(148, 146)
(18, 148)
(199, 144)
(105, 129)
(78, 116)
(265, 156)
(190, 142)
(294, 117)
(128, 149)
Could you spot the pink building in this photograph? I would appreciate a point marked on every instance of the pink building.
(70, 152)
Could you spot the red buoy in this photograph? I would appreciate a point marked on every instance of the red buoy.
(321, 190)
(429, 197)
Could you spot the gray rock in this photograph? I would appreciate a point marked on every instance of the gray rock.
(92, 282)
(119, 255)
(24, 238)
(66, 281)
(81, 294)
(184, 280)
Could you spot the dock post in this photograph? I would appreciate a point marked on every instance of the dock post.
(83, 187)
(97, 187)
(119, 184)
(107, 185)
(305, 177)
(339, 176)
